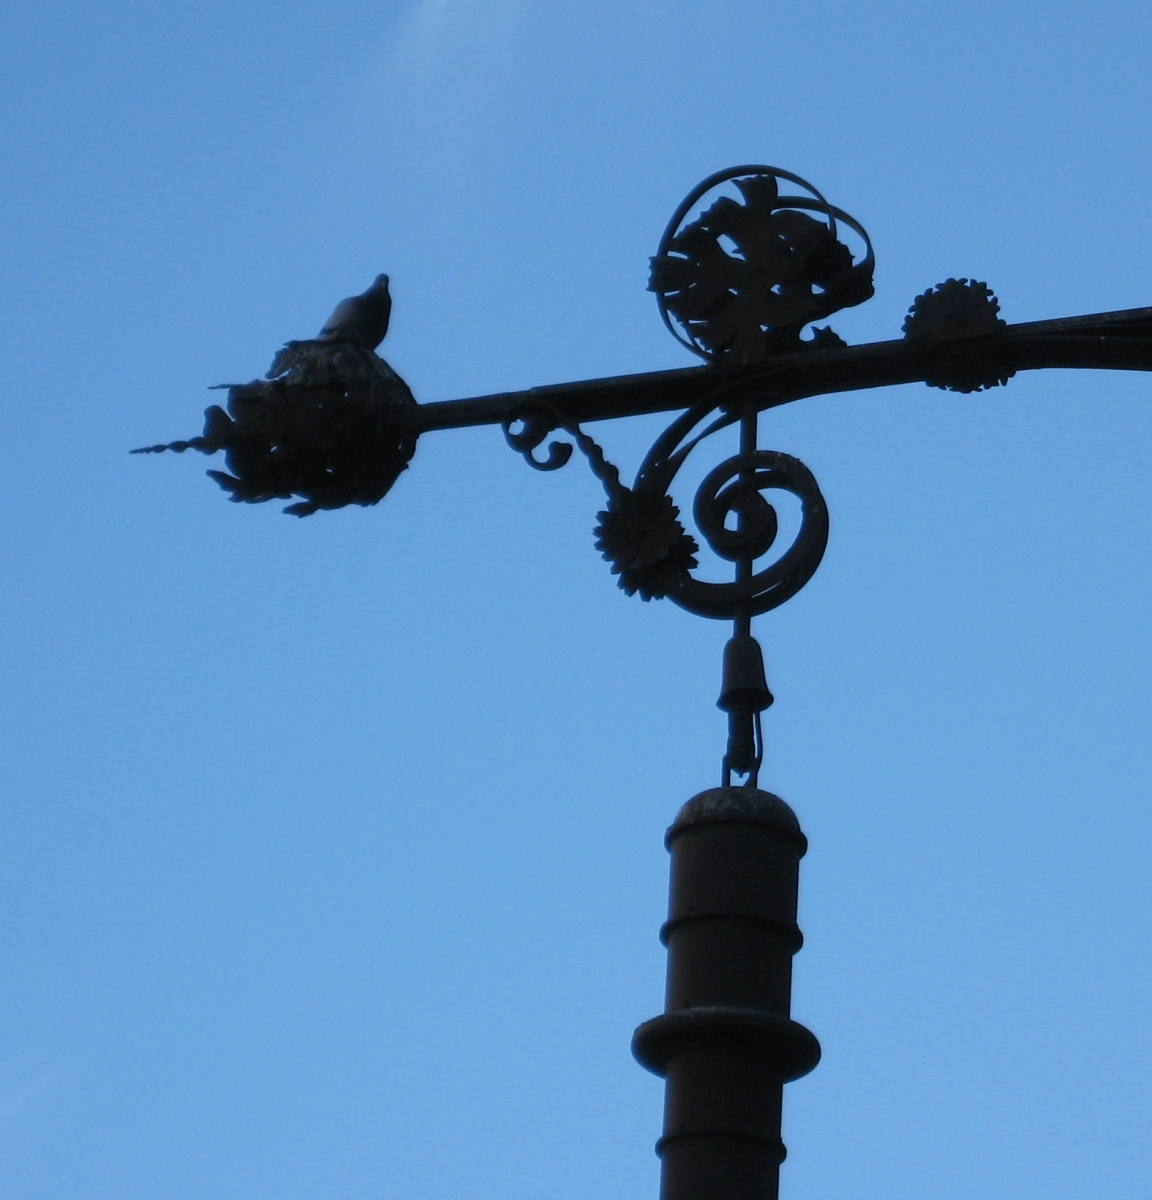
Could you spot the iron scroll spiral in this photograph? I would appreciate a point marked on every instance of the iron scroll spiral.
(640, 534)
(735, 486)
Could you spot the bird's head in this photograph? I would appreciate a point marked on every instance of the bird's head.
(380, 283)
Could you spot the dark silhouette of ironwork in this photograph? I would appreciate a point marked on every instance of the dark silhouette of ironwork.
(751, 258)
(744, 277)
(330, 423)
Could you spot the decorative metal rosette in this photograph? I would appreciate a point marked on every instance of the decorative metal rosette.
(953, 311)
(742, 278)
(641, 537)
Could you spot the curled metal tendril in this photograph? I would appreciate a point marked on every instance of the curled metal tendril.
(757, 524)
(734, 487)
(536, 420)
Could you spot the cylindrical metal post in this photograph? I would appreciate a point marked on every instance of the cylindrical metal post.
(726, 1044)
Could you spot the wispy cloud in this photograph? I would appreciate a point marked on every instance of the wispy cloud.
(479, 31)
(448, 74)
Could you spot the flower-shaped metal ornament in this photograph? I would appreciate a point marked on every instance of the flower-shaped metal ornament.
(740, 280)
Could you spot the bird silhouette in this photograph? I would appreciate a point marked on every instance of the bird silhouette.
(361, 320)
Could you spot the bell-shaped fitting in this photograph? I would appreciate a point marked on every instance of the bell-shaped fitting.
(745, 686)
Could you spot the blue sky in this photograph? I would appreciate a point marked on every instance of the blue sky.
(330, 850)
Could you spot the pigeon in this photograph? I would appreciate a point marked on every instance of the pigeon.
(361, 320)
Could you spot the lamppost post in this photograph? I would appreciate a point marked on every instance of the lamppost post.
(726, 1044)
(751, 259)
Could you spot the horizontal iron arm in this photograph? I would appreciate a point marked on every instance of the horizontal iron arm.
(1111, 341)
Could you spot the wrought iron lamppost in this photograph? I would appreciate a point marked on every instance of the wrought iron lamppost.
(752, 258)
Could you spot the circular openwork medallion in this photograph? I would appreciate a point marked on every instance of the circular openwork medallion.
(760, 259)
